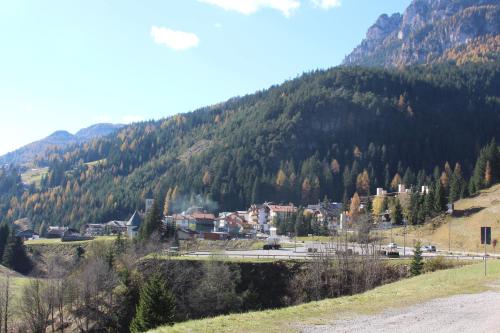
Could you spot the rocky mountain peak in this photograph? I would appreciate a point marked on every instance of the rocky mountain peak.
(428, 31)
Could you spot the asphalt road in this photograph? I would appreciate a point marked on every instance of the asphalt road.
(301, 252)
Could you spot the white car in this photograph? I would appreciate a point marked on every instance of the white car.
(429, 248)
(392, 246)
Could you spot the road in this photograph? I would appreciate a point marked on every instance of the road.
(475, 313)
(301, 252)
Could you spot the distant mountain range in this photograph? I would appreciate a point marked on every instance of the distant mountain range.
(58, 139)
(432, 31)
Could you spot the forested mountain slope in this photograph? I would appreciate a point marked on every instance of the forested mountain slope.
(327, 133)
(432, 31)
(38, 149)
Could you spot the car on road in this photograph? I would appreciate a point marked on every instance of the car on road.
(272, 243)
(392, 246)
(429, 248)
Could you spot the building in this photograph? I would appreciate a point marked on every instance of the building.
(233, 224)
(258, 217)
(95, 229)
(72, 235)
(55, 232)
(186, 234)
(181, 221)
(116, 227)
(27, 234)
(275, 212)
(133, 225)
(204, 222)
(149, 204)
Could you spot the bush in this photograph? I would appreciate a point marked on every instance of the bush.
(438, 263)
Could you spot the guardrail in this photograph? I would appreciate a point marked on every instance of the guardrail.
(316, 255)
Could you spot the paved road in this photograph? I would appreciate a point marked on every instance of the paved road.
(301, 252)
(475, 313)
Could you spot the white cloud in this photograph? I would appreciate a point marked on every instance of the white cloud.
(327, 4)
(247, 7)
(218, 25)
(174, 39)
(132, 119)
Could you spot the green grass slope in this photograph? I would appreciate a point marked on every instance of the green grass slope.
(468, 279)
(470, 215)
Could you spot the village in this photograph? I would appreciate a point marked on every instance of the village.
(259, 221)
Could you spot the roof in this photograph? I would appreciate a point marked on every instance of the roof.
(188, 231)
(28, 232)
(182, 217)
(135, 220)
(203, 216)
(95, 225)
(119, 224)
(282, 209)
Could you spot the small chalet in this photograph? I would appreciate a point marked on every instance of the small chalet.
(55, 232)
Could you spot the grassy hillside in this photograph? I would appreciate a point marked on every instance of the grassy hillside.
(34, 176)
(467, 279)
(464, 226)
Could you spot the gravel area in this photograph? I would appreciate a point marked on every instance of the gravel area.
(463, 313)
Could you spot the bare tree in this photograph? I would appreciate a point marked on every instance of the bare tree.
(92, 299)
(34, 306)
(5, 298)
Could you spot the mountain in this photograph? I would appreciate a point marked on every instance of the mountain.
(30, 152)
(432, 31)
(326, 133)
(95, 131)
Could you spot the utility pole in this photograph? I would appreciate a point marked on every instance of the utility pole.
(485, 241)
(449, 236)
(404, 238)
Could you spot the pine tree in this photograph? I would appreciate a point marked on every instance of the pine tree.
(413, 212)
(439, 198)
(15, 256)
(457, 184)
(417, 264)
(152, 223)
(397, 212)
(300, 227)
(4, 236)
(156, 305)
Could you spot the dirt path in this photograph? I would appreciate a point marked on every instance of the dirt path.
(475, 313)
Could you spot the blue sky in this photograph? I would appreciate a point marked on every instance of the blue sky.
(69, 64)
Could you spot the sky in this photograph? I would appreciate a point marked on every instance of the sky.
(65, 65)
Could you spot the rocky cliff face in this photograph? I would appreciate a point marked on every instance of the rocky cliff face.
(431, 31)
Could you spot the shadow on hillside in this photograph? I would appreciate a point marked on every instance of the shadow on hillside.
(467, 212)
